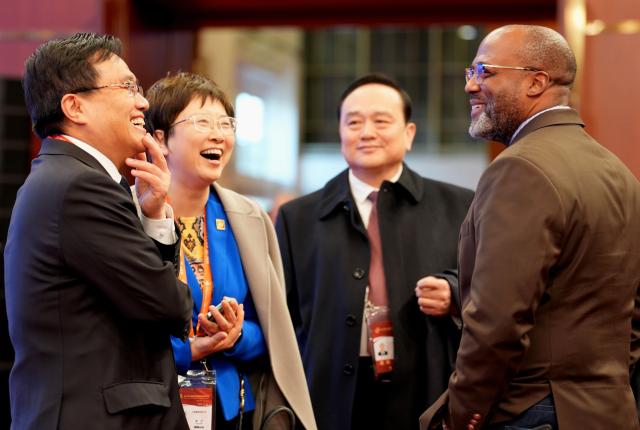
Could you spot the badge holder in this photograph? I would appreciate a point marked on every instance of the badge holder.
(380, 335)
(198, 397)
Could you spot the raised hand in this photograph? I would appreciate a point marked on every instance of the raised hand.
(152, 179)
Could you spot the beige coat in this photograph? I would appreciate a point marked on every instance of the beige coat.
(549, 267)
(262, 264)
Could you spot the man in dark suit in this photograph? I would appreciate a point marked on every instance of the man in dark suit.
(326, 255)
(91, 300)
(549, 255)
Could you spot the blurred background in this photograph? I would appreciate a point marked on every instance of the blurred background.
(285, 63)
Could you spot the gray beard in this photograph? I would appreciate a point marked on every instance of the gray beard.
(497, 125)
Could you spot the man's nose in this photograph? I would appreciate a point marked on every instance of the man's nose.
(472, 85)
(141, 102)
(368, 129)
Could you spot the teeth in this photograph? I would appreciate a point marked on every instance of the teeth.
(138, 122)
(212, 154)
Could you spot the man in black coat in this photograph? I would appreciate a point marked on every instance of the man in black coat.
(91, 299)
(326, 256)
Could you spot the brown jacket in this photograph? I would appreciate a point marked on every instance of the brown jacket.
(549, 260)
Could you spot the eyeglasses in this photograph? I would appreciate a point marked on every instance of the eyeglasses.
(205, 124)
(480, 72)
(132, 88)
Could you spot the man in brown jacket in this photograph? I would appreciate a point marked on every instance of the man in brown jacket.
(549, 255)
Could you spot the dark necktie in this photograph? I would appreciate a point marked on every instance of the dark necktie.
(377, 282)
(125, 185)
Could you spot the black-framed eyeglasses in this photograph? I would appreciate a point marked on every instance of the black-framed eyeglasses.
(205, 123)
(132, 88)
(480, 73)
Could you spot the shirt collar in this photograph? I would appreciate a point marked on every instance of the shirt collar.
(528, 120)
(361, 190)
(104, 161)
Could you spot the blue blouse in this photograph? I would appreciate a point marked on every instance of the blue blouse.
(228, 280)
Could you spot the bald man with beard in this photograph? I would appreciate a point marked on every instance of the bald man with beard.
(549, 255)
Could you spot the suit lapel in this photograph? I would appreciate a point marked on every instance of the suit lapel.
(55, 147)
(246, 224)
(59, 147)
(546, 119)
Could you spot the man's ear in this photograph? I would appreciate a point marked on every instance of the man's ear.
(74, 109)
(409, 134)
(539, 84)
(159, 136)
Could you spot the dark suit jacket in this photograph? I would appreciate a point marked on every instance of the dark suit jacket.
(326, 258)
(90, 302)
(549, 269)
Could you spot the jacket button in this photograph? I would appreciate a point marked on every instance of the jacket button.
(348, 369)
(358, 273)
(350, 320)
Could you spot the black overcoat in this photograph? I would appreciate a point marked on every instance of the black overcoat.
(326, 258)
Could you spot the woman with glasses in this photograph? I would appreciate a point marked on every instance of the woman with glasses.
(230, 259)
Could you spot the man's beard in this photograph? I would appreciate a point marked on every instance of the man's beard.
(498, 121)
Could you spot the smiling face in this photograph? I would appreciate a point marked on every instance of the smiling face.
(196, 158)
(373, 133)
(499, 104)
(115, 119)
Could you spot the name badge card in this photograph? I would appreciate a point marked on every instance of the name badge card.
(197, 394)
(380, 340)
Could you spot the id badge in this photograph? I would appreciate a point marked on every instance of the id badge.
(197, 395)
(380, 339)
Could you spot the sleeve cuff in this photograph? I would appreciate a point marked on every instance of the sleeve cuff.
(161, 230)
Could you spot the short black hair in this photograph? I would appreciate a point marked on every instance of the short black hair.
(170, 95)
(59, 67)
(378, 78)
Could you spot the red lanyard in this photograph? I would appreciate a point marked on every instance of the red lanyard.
(60, 137)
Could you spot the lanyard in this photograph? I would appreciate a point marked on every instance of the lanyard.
(60, 137)
(206, 283)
